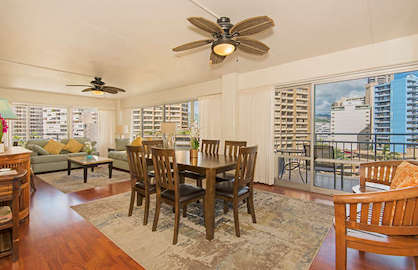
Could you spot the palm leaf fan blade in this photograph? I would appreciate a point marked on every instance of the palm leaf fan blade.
(205, 25)
(216, 59)
(256, 29)
(250, 22)
(192, 45)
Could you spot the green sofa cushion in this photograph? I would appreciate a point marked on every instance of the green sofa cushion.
(49, 158)
(39, 142)
(119, 155)
(37, 149)
(121, 144)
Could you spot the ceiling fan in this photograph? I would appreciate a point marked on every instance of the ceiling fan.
(228, 37)
(97, 87)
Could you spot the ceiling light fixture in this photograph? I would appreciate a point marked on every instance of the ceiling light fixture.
(98, 92)
(223, 47)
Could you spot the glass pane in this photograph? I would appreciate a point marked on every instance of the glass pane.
(85, 123)
(136, 123)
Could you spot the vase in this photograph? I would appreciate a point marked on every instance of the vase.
(2, 147)
(90, 156)
(194, 153)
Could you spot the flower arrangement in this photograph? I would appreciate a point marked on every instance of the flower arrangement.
(3, 127)
(194, 134)
(88, 148)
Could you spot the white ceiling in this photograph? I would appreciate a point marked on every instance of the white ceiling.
(47, 44)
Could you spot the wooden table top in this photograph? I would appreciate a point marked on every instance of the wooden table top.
(82, 160)
(15, 150)
(204, 161)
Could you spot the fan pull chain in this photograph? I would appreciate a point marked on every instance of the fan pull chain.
(205, 8)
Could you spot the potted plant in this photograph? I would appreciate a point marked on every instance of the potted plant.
(89, 149)
(3, 130)
(194, 139)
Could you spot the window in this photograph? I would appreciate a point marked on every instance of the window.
(146, 122)
(51, 122)
(84, 122)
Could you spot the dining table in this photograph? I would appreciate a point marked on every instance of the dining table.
(209, 165)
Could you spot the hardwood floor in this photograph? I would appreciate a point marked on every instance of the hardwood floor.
(56, 237)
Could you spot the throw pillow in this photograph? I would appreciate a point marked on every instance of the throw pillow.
(54, 147)
(73, 146)
(406, 175)
(137, 141)
(37, 149)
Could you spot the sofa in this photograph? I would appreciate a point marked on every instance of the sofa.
(118, 154)
(48, 163)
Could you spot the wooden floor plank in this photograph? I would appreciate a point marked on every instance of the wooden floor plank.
(56, 237)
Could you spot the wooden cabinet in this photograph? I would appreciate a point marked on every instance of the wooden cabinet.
(19, 157)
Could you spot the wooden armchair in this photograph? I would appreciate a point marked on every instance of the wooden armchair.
(377, 222)
(381, 172)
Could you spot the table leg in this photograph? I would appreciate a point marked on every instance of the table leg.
(290, 168)
(69, 168)
(210, 203)
(85, 174)
(110, 169)
(92, 169)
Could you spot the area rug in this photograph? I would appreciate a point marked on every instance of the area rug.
(287, 235)
(75, 181)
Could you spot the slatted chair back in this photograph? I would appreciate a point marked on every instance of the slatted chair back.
(137, 164)
(381, 172)
(166, 170)
(210, 147)
(244, 172)
(231, 148)
(393, 212)
(150, 144)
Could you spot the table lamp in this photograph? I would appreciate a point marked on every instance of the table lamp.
(8, 114)
(122, 130)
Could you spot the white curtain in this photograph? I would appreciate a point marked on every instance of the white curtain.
(255, 126)
(210, 117)
(106, 136)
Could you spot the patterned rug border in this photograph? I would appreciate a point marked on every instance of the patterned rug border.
(151, 218)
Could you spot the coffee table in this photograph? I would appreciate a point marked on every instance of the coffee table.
(93, 162)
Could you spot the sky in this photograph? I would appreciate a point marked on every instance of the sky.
(328, 93)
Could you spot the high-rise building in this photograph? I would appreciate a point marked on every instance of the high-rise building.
(396, 107)
(292, 116)
(370, 87)
(349, 115)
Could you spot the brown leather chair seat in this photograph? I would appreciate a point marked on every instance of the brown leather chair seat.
(187, 192)
(226, 189)
(141, 185)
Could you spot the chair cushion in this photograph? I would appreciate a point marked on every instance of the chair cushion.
(225, 177)
(53, 147)
(5, 214)
(187, 192)
(73, 146)
(141, 185)
(406, 175)
(193, 175)
(226, 189)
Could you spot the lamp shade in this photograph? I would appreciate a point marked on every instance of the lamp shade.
(122, 129)
(168, 128)
(6, 110)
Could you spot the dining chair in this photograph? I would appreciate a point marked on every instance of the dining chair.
(169, 188)
(148, 144)
(231, 149)
(140, 181)
(242, 186)
(9, 213)
(209, 147)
